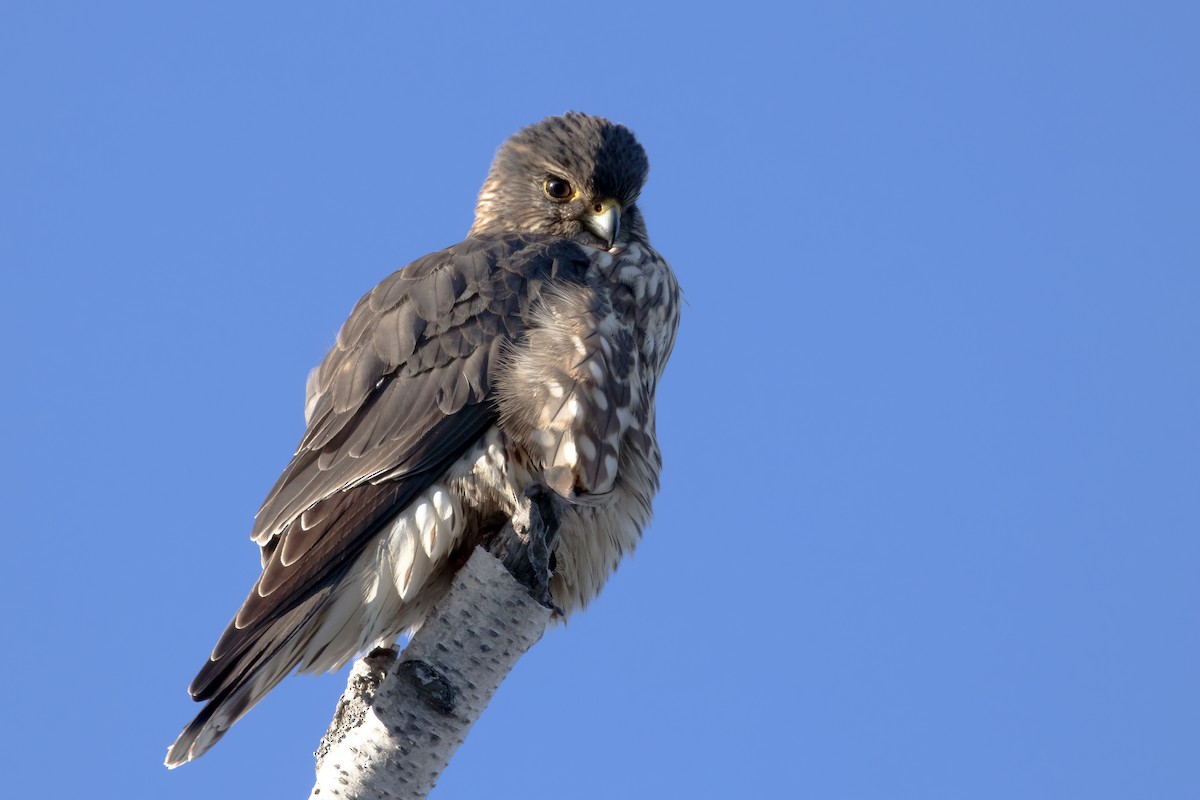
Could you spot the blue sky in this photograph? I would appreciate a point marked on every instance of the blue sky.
(929, 525)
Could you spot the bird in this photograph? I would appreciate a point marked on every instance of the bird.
(524, 358)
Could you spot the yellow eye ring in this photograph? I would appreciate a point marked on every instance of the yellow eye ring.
(557, 188)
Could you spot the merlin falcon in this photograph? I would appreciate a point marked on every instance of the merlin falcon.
(525, 358)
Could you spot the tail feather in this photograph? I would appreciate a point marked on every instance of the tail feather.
(246, 679)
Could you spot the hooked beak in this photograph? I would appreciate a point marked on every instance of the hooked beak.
(604, 220)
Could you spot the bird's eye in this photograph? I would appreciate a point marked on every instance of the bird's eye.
(557, 188)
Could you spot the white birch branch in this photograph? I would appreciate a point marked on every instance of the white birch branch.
(399, 722)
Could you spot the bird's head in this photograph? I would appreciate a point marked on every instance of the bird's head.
(575, 176)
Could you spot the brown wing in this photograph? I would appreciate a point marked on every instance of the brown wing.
(406, 390)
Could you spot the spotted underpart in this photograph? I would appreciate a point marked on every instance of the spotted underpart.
(566, 395)
(528, 354)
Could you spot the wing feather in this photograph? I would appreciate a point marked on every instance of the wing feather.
(401, 396)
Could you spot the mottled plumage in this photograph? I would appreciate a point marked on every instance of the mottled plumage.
(527, 354)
